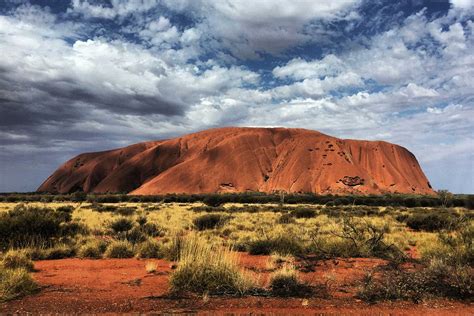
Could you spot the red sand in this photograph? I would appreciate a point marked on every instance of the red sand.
(122, 285)
(245, 159)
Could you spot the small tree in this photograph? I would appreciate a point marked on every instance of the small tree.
(446, 197)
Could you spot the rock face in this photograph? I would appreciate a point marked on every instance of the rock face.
(245, 159)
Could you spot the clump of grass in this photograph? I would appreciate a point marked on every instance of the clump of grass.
(16, 259)
(60, 251)
(150, 249)
(173, 248)
(93, 248)
(286, 219)
(205, 268)
(15, 283)
(121, 224)
(303, 213)
(285, 282)
(151, 267)
(285, 245)
(210, 221)
(432, 221)
(119, 249)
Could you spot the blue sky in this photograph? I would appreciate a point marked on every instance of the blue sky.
(87, 75)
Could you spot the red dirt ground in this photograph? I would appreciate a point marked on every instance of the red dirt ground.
(123, 286)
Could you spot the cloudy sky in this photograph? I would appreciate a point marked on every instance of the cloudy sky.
(85, 75)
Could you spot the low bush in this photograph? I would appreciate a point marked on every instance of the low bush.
(286, 219)
(213, 200)
(15, 259)
(285, 282)
(119, 249)
(432, 221)
(357, 238)
(28, 226)
(126, 211)
(303, 213)
(205, 268)
(285, 245)
(121, 224)
(15, 283)
(58, 252)
(150, 249)
(93, 248)
(210, 221)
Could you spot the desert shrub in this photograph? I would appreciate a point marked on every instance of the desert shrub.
(206, 268)
(357, 238)
(150, 249)
(142, 220)
(457, 248)
(58, 252)
(286, 219)
(438, 279)
(208, 209)
(126, 211)
(134, 235)
(431, 221)
(303, 213)
(93, 248)
(285, 245)
(15, 283)
(260, 247)
(152, 230)
(15, 259)
(210, 221)
(25, 226)
(119, 249)
(213, 200)
(285, 282)
(121, 224)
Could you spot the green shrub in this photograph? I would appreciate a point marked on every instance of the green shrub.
(286, 219)
(432, 221)
(210, 221)
(26, 226)
(284, 245)
(150, 249)
(285, 282)
(119, 249)
(260, 247)
(126, 211)
(303, 213)
(58, 252)
(135, 235)
(93, 248)
(205, 268)
(15, 259)
(15, 283)
(121, 224)
(213, 200)
(357, 238)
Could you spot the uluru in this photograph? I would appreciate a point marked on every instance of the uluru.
(241, 159)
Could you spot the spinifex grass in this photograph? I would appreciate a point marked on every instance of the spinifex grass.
(205, 268)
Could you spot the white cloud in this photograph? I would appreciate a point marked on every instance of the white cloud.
(463, 4)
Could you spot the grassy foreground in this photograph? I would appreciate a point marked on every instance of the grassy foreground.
(203, 241)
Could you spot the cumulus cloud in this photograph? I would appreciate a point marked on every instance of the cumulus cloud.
(95, 76)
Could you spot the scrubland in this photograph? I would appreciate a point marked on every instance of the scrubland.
(425, 252)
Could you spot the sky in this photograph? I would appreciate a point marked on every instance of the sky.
(83, 75)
